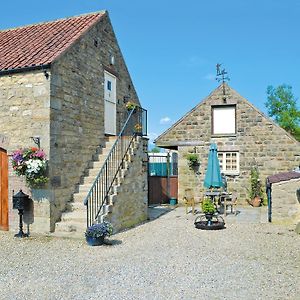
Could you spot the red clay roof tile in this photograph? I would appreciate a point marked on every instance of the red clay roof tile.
(41, 44)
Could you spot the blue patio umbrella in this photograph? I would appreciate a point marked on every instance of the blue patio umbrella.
(213, 177)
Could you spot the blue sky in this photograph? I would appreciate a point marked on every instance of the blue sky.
(171, 47)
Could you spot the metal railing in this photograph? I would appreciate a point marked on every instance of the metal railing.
(97, 197)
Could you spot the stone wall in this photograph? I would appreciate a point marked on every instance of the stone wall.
(258, 140)
(77, 107)
(24, 112)
(131, 206)
(67, 111)
(285, 203)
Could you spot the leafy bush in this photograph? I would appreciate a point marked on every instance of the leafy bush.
(255, 184)
(208, 207)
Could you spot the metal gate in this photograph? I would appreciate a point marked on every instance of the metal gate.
(162, 177)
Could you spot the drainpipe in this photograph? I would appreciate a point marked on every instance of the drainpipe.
(168, 177)
(269, 195)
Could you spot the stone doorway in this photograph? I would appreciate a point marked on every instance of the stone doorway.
(3, 190)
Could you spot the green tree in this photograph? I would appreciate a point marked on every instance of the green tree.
(155, 150)
(282, 106)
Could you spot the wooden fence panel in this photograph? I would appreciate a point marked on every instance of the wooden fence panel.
(3, 190)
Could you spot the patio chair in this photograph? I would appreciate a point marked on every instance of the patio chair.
(189, 200)
(229, 200)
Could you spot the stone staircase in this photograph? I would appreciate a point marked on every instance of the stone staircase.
(73, 222)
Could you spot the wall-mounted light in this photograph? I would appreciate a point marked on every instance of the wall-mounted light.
(112, 59)
(46, 74)
(36, 140)
(126, 98)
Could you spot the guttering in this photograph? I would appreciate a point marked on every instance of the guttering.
(24, 69)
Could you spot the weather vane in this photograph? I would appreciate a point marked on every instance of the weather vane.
(222, 76)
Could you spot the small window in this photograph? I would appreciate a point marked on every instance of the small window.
(109, 85)
(223, 120)
(229, 162)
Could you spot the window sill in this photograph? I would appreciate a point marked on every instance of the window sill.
(232, 174)
(223, 135)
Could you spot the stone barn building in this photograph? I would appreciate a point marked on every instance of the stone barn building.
(245, 137)
(65, 83)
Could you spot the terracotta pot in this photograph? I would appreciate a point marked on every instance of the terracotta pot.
(256, 202)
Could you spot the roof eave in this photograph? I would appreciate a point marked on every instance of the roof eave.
(25, 69)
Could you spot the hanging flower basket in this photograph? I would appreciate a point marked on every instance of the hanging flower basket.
(32, 164)
(193, 160)
(138, 129)
(130, 105)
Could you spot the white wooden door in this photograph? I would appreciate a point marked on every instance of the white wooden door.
(110, 98)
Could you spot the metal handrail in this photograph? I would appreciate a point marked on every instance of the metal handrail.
(101, 188)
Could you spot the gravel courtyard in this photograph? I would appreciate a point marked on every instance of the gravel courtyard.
(166, 258)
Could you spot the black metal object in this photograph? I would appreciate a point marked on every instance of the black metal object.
(209, 222)
(222, 76)
(36, 140)
(19, 202)
(136, 124)
(269, 196)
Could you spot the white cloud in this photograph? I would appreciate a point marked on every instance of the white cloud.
(194, 61)
(210, 77)
(165, 120)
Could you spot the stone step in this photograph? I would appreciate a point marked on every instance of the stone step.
(112, 199)
(76, 216)
(74, 206)
(69, 235)
(97, 164)
(85, 188)
(70, 226)
(73, 222)
(79, 197)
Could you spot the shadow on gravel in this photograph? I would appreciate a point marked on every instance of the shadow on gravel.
(112, 242)
(157, 211)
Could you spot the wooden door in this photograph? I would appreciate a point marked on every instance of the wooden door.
(110, 100)
(158, 189)
(3, 190)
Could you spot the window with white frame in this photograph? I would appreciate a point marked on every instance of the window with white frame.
(223, 119)
(229, 162)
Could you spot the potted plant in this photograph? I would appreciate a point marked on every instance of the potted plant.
(138, 128)
(32, 164)
(208, 209)
(96, 233)
(255, 191)
(130, 105)
(193, 160)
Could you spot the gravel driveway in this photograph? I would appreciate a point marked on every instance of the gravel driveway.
(166, 258)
